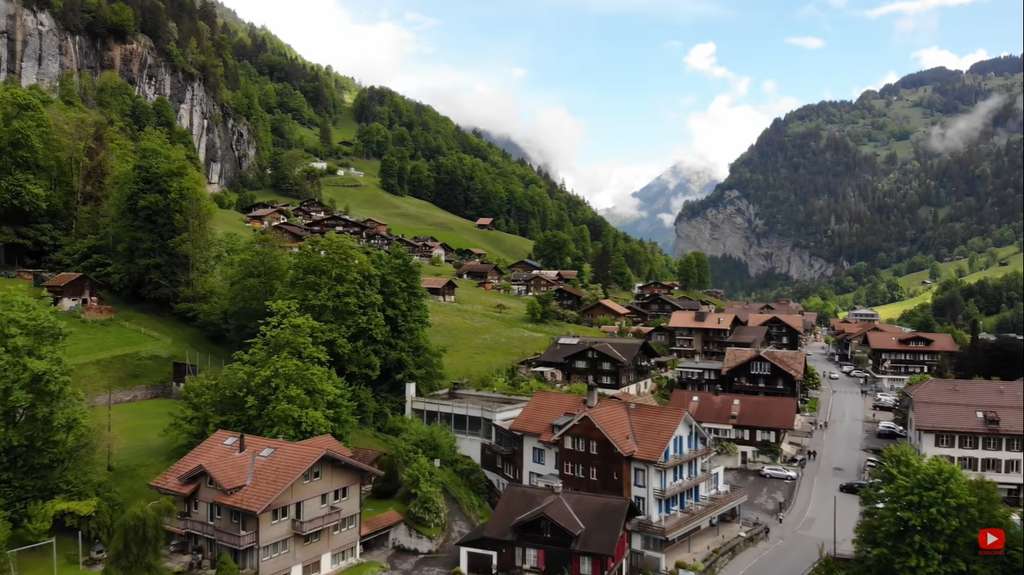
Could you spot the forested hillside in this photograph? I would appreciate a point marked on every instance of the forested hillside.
(920, 167)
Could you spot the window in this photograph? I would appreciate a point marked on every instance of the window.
(311, 537)
(606, 380)
(580, 363)
(593, 472)
(1012, 466)
(606, 365)
(992, 443)
(593, 446)
(968, 463)
(312, 568)
(945, 440)
(323, 500)
(209, 481)
(336, 528)
(274, 549)
(1014, 444)
(211, 512)
(348, 522)
(339, 557)
(640, 477)
(581, 444)
(317, 472)
(991, 465)
(760, 368)
(586, 567)
(641, 504)
(195, 504)
(235, 516)
(531, 558)
(579, 470)
(568, 442)
(567, 468)
(968, 442)
(538, 456)
(298, 511)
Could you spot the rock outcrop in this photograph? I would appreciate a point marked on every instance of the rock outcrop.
(36, 50)
(732, 228)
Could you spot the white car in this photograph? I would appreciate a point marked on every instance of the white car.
(886, 395)
(857, 373)
(846, 368)
(890, 425)
(833, 375)
(777, 472)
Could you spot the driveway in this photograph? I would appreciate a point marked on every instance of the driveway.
(793, 546)
(444, 560)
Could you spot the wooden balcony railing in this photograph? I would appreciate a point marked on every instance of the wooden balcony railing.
(679, 458)
(681, 486)
(303, 527)
(189, 525)
(680, 521)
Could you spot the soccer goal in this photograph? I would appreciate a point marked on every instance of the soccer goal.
(36, 559)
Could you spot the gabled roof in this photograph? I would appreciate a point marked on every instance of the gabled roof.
(701, 320)
(638, 430)
(379, 522)
(596, 522)
(62, 279)
(751, 335)
(792, 362)
(292, 229)
(477, 251)
(571, 290)
(543, 408)
(750, 410)
(251, 481)
(621, 349)
(680, 303)
(436, 283)
(264, 212)
(608, 304)
(901, 341)
(955, 405)
(478, 267)
(484, 221)
(529, 263)
(792, 320)
(374, 221)
(853, 331)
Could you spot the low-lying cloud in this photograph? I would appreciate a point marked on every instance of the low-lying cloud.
(964, 129)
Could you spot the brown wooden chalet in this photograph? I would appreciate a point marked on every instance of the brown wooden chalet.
(748, 336)
(763, 372)
(655, 287)
(782, 306)
(266, 217)
(289, 233)
(538, 284)
(910, 353)
(311, 209)
(659, 305)
(784, 330)
(700, 334)
(550, 531)
(526, 266)
(441, 289)
(569, 297)
(604, 311)
(339, 223)
(69, 290)
(485, 223)
(381, 241)
(376, 226)
(749, 421)
(611, 363)
(848, 339)
(480, 271)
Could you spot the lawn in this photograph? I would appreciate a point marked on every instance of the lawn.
(913, 280)
(141, 445)
(367, 568)
(135, 347)
(480, 339)
(229, 221)
(39, 560)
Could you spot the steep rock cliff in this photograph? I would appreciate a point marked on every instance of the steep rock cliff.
(732, 228)
(36, 50)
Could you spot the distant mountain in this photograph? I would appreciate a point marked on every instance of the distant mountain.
(658, 202)
(920, 167)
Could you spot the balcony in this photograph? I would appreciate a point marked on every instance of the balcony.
(302, 527)
(680, 486)
(680, 458)
(681, 521)
(187, 525)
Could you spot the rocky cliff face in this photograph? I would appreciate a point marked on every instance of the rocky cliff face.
(36, 50)
(732, 228)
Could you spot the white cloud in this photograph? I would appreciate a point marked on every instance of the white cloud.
(769, 87)
(910, 7)
(808, 42)
(518, 73)
(419, 21)
(934, 56)
(703, 58)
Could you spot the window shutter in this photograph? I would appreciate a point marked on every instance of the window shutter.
(540, 559)
(575, 564)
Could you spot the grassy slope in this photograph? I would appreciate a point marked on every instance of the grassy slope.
(136, 347)
(914, 280)
(893, 310)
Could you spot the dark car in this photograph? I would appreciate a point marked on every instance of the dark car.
(854, 487)
(888, 433)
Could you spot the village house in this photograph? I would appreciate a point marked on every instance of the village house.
(480, 272)
(376, 226)
(375, 238)
(604, 311)
(905, 354)
(441, 289)
(525, 266)
(654, 287)
(613, 364)
(266, 217)
(485, 223)
(538, 284)
(763, 372)
(751, 422)
(311, 209)
(699, 374)
(274, 506)
(863, 314)
(748, 336)
(699, 334)
(290, 234)
(339, 223)
(68, 290)
(977, 425)
(779, 307)
(569, 297)
(784, 330)
(431, 249)
(850, 339)
(562, 276)
(550, 531)
(639, 331)
(657, 306)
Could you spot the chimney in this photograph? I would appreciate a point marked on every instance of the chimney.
(241, 442)
(591, 392)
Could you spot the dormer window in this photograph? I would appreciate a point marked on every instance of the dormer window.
(209, 482)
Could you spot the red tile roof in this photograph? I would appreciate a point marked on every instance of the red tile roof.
(543, 408)
(381, 521)
(792, 320)
(62, 279)
(751, 410)
(851, 331)
(954, 405)
(637, 430)
(484, 221)
(701, 320)
(258, 480)
(435, 283)
(901, 341)
(609, 305)
(792, 362)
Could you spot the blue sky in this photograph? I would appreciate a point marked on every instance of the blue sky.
(612, 92)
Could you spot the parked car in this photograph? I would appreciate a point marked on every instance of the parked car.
(855, 487)
(890, 425)
(874, 461)
(846, 367)
(777, 472)
(887, 433)
(833, 375)
(886, 396)
(798, 460)
(883, 405)
(857, 373)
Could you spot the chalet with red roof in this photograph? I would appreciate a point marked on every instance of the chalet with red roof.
(604, 311)
(69, 290)
(784, 330)
(485, 223)
(697, 334)
(909, 353)
(274, 506)
(775, 372)
(441, 289)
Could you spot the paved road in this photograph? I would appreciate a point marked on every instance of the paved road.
(794, 546)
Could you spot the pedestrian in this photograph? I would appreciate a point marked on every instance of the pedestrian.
(810, 454)
(767, 532)
(826, 424)
(780, 519)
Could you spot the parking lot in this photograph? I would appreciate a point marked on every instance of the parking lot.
(763, 495)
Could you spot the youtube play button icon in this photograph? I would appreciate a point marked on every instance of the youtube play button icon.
(991, 541)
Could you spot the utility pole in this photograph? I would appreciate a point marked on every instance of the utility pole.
(835, 505)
